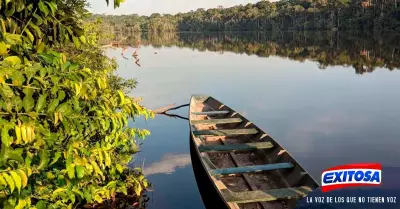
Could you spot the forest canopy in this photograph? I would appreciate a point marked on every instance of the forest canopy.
(266, 15)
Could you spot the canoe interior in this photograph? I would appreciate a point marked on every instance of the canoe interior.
(248, 168)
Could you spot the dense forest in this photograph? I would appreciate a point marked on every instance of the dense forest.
(363, 52)
(265, 15)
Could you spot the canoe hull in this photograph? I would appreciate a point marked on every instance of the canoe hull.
(276, 179)
(209, 194)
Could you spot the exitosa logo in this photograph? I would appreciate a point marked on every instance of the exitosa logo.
(351, 175)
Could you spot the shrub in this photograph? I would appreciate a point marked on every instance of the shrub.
(65, 138)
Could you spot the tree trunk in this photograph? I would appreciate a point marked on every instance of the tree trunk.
(337, 40)
(314, 10)
(393, 53)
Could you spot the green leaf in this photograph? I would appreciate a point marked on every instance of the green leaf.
(18, 134)
(10, 10)
(14, 60)
(41, 205)
(39, 20)
(98, 198)
(17, 180)
(107, 159)
(65, 66)
(43, 8)
(3, 48)
(61, 95)
(82, 39)
(10, 182)
(138, 189)
(21, 204)
(69, 30)
(123, 190)
(47, 58)
(53, 105)
(55, 158)
(5, 137)
(120, 168)
(76, 191)
(71, 171)
(36, 29)
(28, 91)
(24, 178)
(41, 103)
(96, 168)
(101, 159)
(87, 195)
(17, 78)
(16, 155)
(145, 183)
(29, 34)
(2, 181)
(44, 159)
(43, 72)
(74, 67)
(76, 42)
(62, 108)
(28, 103)
(20, 5)
(14, 39)
(80, 171)
(40, 47)
(53, 7)
(70, 156)
(7, 91)
(122, 97)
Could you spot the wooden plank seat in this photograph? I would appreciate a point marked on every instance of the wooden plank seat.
(225, 132)
(251, 169)
(210, 113)
(266, 196)
(217, 121)
(236, 147)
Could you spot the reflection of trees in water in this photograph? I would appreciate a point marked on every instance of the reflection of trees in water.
(364, 52)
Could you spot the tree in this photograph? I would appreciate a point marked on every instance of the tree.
(283, 15)
(339, 5)
(64, 134)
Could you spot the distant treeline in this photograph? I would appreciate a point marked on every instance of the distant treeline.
(265, 15)
(363, 52)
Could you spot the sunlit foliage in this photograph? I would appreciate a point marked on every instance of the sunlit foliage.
(65, 139)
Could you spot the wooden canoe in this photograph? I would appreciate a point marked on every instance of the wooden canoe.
(247, 168)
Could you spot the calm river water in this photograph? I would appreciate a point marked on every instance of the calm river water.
(329, 99)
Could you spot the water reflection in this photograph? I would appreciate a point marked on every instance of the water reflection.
(362, 51)
(323, 118)
(168, 164)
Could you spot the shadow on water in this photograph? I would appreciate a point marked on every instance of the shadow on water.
(210, 196)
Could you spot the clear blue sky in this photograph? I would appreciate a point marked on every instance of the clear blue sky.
(147, 7)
